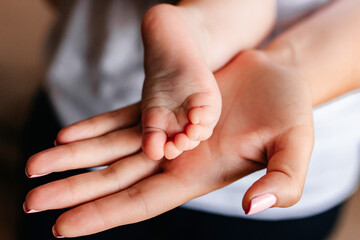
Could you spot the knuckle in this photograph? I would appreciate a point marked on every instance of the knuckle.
(135, 195)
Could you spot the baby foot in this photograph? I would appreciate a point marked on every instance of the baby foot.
(181, 102)
(178, 112)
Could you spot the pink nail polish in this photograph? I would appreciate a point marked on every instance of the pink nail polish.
(261, 203)
(29, 210)
(26, 173)
(55, 233)
(39, 175)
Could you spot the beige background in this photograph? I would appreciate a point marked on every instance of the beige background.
(23, 25)
(23, 28)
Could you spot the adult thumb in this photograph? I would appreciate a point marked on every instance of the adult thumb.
(283, 183)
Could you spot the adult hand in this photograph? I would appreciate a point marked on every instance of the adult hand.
(266, 121)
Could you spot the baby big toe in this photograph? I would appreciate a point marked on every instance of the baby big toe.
(153, 144)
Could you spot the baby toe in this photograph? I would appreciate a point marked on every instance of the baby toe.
(171, 151)
(153, 144)
(181, 141)
(203, 116)
(198, 132)
(192, 145)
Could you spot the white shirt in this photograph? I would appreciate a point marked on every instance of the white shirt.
(98, 68)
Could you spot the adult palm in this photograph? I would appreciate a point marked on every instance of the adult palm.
(266, 121)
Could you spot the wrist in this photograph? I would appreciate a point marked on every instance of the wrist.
(284, 53)
(325, 79)
(222, 29)
(283, 63)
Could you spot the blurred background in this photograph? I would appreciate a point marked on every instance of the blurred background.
(24, 26)
(23, 30)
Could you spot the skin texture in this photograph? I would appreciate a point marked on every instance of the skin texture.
(324, 48)
(181, 102)
(276, 133)
(266, 121)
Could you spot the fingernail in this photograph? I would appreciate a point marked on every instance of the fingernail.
(28, 210)
(195, 121)
(55, 233)
(35, 175)
(55, 143)
(26, 173)
(39, 175)
(261, 203)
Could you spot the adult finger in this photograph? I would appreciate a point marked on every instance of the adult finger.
(87, 153)
(86, 187)
(144, 200)
(100, 124)
(283, 183)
